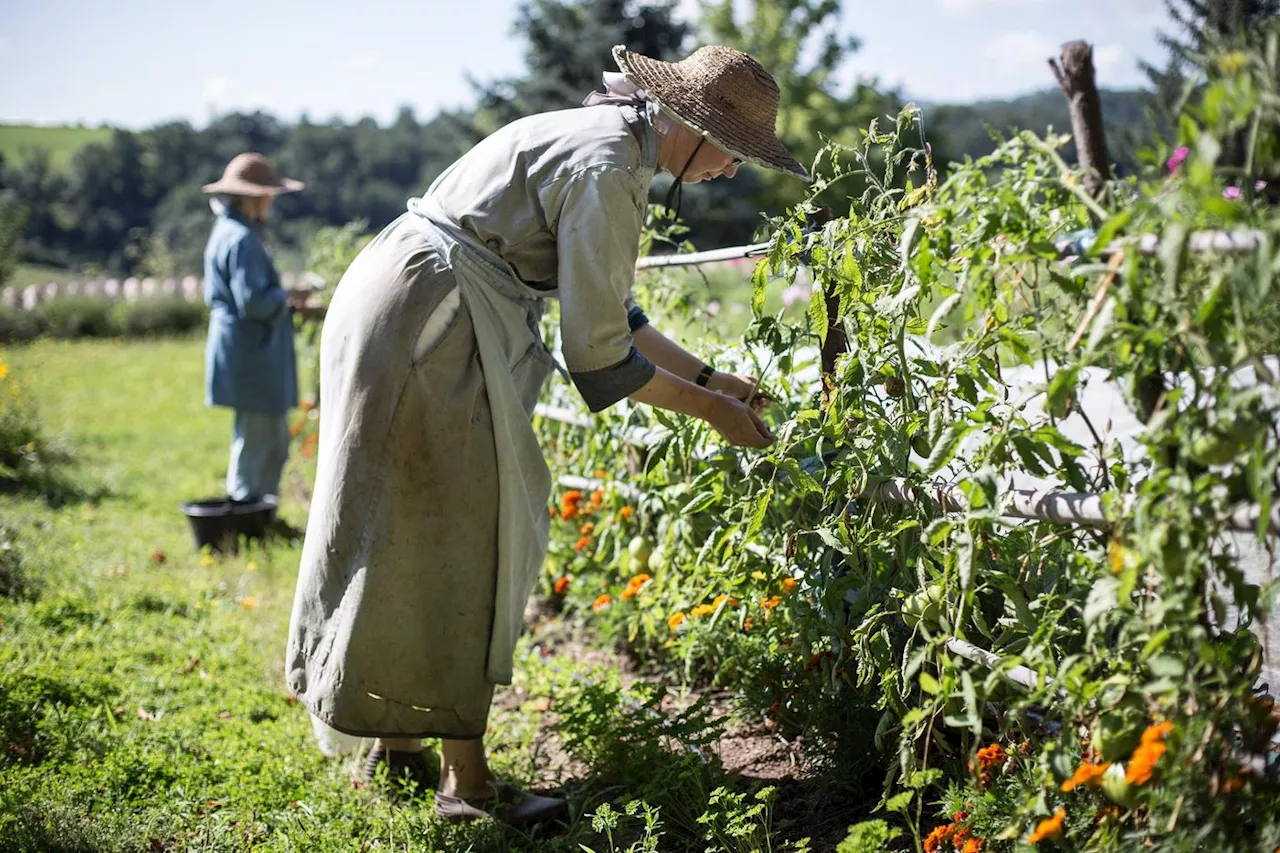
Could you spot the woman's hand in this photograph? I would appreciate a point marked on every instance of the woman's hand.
(740, 388)
(738, 423)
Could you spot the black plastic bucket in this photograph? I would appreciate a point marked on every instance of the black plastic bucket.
(219, 523)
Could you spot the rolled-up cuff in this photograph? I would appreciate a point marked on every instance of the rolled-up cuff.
(601, 388)
(636, 317)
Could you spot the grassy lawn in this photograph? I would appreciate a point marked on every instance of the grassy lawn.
(17, 141)
(142, 699)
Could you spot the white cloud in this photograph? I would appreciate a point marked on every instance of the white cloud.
(965, 7)
(1020, 52)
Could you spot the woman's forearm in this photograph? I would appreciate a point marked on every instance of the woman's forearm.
(666, 353)
(668, 391)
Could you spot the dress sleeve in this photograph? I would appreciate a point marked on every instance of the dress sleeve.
(597, 239)
(254, 284)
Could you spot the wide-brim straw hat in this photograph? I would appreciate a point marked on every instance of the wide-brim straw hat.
(719, 93)
(250, 174)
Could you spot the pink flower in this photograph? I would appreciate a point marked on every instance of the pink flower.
(1259, 186)
(1232, 193)
(1179, 156)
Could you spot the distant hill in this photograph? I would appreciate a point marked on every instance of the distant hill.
(960, 130)
(17, 141)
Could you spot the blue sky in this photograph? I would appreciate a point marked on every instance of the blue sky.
(137, 62)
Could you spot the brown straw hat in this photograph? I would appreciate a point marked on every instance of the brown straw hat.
(250, 174)
(720, 93)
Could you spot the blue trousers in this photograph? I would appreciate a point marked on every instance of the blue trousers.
(259, 449)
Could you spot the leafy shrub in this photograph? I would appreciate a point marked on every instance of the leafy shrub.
(77, 317)
(18, 326)
(158, 315)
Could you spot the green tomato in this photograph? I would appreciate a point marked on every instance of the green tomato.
(640, 549)
(1116, 787)
(1116, 734)
(925, 605)
(921, 444)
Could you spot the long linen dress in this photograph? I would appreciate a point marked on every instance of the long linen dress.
(429, 522)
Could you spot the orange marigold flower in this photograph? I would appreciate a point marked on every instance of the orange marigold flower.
(562, 585)
(602, 601)
(959, 817)
(771, 602)
(1235, 783)
(1087, 773)
(1050, 827)
(569, 504)
(789, 585)
(815, 660)
(307, 405)
(309, 445)
(992, 754)
(597, 497)
(722, 598)
(703, 610)
(582, 543)
(1157, 733)
(934, 840)
(1143, 762)
(626, 512)
(961, 835)
(588, 528)
(748, 624)
(674, 620)
(551, 511)
(601, 474)
(973, 845)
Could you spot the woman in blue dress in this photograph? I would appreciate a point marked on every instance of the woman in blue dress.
(250, 364)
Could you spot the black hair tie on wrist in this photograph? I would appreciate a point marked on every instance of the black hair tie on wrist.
(705, 375)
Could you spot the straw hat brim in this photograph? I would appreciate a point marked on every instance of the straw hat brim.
(680, 97)
(236, 186)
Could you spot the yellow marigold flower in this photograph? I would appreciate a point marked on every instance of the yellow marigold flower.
(1050, 827)
(674, 620)
(249, 603)
(1086, 774)
(759, 576)
(703, 610)
(602, 601)
(206, 560)
(4, 370)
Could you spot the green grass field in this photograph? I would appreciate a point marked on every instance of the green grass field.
(17, 141)
(142, 699)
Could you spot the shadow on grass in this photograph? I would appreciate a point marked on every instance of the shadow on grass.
(50, 479)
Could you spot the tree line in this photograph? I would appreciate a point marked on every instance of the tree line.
(132, 204)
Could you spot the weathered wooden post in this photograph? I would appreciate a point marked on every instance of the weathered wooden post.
(1075, 76)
